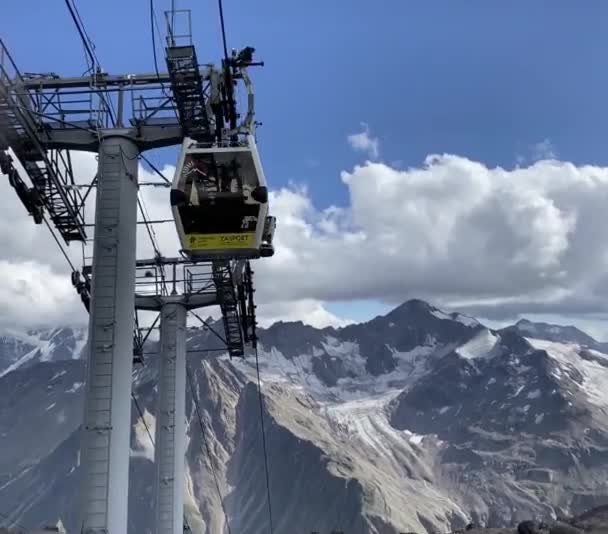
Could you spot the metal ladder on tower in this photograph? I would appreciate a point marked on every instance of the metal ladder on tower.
(187, 87)
(227, 296)
(19, 130)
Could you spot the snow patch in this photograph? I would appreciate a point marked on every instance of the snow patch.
(441, 315)
(50, 407)
(44, 344)
(144, 448)
(466, 320)
(366, 423)
(24, 359)
(81, 341)
(344, 349)
(479, 347)
(458, 317)
(538, 419)
(75, 387)
(416, 439)
(57, 375)
(595, 375)
(534, 394)
(358, 383)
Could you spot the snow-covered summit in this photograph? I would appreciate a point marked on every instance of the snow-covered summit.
(19, 349)
(416, 420)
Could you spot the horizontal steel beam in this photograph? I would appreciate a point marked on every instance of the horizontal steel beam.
(94, 82)
(145, 136)
(190, 302)
(100, 81)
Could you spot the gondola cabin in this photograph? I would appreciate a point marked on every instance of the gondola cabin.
(219, 200)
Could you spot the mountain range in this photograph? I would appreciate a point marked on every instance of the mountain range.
(418, 420)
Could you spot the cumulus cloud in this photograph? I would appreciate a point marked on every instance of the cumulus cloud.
(310, 311)
(365, 142)
(490, 241)
(22, 240)
(453, 231)
(34, 295)
(35, 286)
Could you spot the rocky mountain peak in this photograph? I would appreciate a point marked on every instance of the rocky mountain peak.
(553, 332)
(419, 420)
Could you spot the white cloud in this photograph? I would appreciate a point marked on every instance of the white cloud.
(35, 286)
(33, 295)
(453, 231)
(309, 311)
(495, 242)
(364, 142)
(36, 289)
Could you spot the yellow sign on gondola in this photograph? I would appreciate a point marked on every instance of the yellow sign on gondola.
(220, 241)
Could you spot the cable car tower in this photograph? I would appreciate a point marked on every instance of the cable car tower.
(220, 202)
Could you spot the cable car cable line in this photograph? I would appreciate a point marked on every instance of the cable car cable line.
(228, 65)
(266, 469)
(150, 229)
(81, 31)
(207, 325)
(155, 169)
(152, 22)
(89, 46)
(61, 247)
(153, 238)
(223, 27)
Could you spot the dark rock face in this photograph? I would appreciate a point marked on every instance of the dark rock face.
(504, 395)
(410, 325)
(328, 369)
(293, 339)
(44, 400)
(558, 527)
(302, 476)
(530, 527)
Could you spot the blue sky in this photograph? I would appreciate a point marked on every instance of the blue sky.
(488, 81)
